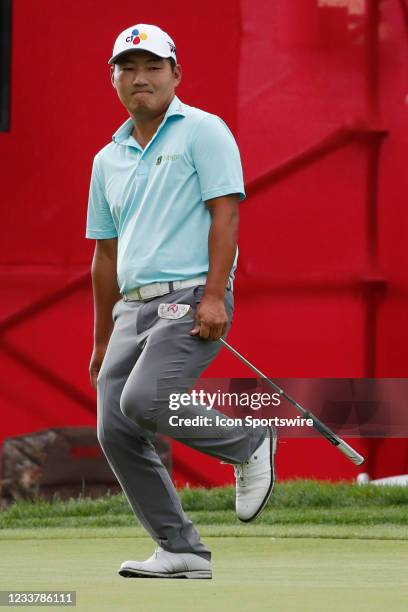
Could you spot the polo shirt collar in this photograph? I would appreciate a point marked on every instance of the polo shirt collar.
(124, 132)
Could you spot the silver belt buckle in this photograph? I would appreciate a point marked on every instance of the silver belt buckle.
(158, 291)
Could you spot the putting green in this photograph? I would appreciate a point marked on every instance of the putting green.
(250, 574)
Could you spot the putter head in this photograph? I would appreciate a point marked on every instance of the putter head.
(174, 311)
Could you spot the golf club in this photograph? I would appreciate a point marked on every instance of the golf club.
(176, 311)
(345, 448)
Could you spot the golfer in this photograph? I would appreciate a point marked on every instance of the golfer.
(163, 209)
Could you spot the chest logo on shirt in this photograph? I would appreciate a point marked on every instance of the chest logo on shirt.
(167, 158)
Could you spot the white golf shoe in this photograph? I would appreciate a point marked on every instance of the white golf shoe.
(255, 479)
(164, 564)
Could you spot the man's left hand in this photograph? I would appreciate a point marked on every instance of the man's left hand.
(211, 319)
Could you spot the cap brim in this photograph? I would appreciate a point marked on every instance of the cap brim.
(118, 55)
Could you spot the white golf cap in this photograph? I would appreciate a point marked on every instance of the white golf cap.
(144, 37)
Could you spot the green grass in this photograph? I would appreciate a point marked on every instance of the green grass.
(298, 502)
(386, 531)
(317, 547)
(249, 574)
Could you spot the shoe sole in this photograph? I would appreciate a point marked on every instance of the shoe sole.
(129, 573)
(273, 438)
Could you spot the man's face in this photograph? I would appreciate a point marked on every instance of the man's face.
(145, 83)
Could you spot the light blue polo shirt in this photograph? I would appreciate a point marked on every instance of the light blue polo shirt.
(152, 199)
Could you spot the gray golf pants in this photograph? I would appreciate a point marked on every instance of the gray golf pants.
(144, 349)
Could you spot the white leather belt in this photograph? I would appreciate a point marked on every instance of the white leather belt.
(147, 292)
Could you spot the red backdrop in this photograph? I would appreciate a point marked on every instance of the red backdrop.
(317, 101)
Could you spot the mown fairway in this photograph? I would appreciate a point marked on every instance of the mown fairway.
(318, 547)
(250, 573)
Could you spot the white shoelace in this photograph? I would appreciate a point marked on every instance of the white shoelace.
(241, 473)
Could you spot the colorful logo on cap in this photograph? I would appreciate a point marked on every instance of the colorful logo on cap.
(136, 37)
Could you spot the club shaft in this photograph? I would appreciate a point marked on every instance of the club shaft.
(345, 448)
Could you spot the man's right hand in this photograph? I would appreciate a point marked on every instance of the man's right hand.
(96, 363)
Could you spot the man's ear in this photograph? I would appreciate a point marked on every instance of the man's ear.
(178, 73)
(112, 76)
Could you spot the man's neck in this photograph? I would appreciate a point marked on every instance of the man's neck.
(144, 130)
(145, 127)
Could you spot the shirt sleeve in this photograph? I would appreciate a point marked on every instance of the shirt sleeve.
(99, 222)
(217, 160)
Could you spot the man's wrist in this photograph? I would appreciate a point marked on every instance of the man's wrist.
(215, 293)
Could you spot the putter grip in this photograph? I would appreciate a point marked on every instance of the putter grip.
(345, 448)
(353, 455)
